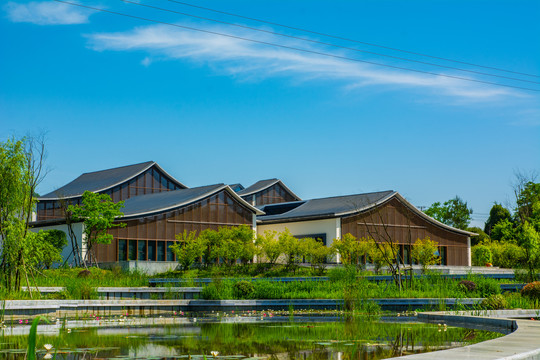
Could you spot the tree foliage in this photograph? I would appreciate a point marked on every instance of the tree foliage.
(269, 246)
(382, 254)
(188, 248)
(317, 253)
(424, 251)
(98, 214)
(20, 172)
(291, 248)
(481, 255)
(453, 212)
(497, 214)
(480, 238)
(56, 238)
(351, 249)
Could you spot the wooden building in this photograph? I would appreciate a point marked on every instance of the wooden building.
(269, 191)
(380, 215)
(156, 208)
(120, 183)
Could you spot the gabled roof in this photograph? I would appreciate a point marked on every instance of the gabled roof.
(149, 204)
(338, 206)
(263, 185)
(323, 207)
(103, 180)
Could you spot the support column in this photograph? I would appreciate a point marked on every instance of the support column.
(469, 261)
(338, 236)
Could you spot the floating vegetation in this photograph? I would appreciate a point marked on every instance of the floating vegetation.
(211, 339)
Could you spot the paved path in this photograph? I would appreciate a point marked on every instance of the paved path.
(523, 343)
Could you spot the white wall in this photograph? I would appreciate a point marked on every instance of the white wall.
(77, 229)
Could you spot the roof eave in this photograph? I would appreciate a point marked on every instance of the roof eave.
(432, 220)
(369, 206)
(121, 182)
(277, 181)
(194, 200)
(297, 219)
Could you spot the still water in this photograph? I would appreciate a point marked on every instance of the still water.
(244, 339)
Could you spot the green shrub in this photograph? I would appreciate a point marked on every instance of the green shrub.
(217, 290)
(80, 290)
(243, 289)
(467, 285)
(495, 302)
(512, 256)
(346, 274)
(481, 255)
(487, 287)
(531, 290)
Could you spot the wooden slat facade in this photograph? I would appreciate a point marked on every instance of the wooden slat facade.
(148, 238)
(151, 181)
(396, 221)
(272, 195)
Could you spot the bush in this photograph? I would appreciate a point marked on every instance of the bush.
(532, 290)
(487, 287)
(217, 290)
(481, 255)
(84, 274)
(467, 285)
(495, 302)
(243, 289)
(80, 290)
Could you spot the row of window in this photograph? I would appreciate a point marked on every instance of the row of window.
(160, 251)
(145, 250)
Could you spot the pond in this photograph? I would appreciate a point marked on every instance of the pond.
(242, 338)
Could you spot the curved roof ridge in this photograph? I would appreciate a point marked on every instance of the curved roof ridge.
(149, 204)
(265, 184)
(119, 175)
(429, 218)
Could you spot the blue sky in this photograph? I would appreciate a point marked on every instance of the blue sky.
(111, 91)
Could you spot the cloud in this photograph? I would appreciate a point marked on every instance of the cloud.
(146, 61)
(248, 59)
(527, 118)
(46, 13)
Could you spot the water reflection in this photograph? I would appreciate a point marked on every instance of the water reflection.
(276, 339)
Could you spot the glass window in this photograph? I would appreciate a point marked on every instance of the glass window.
(152, 250)
(170, 254)
(142, 250)
(442, 253)
(132, 255)
(161, 251)
(122, 250)
(163, 182)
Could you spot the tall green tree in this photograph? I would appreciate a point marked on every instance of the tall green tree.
(497, 214)
(21, 170)
(98, 214)
(453, 212)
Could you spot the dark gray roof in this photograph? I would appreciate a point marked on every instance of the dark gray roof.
(159, 202)
(322, 208)
(151, 203)
(262, 185)
(102, 180)
(258, 186)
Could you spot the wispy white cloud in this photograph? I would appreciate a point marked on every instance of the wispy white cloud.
(46, 13)
(146, 61)
(527, 118)
(248, 59)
